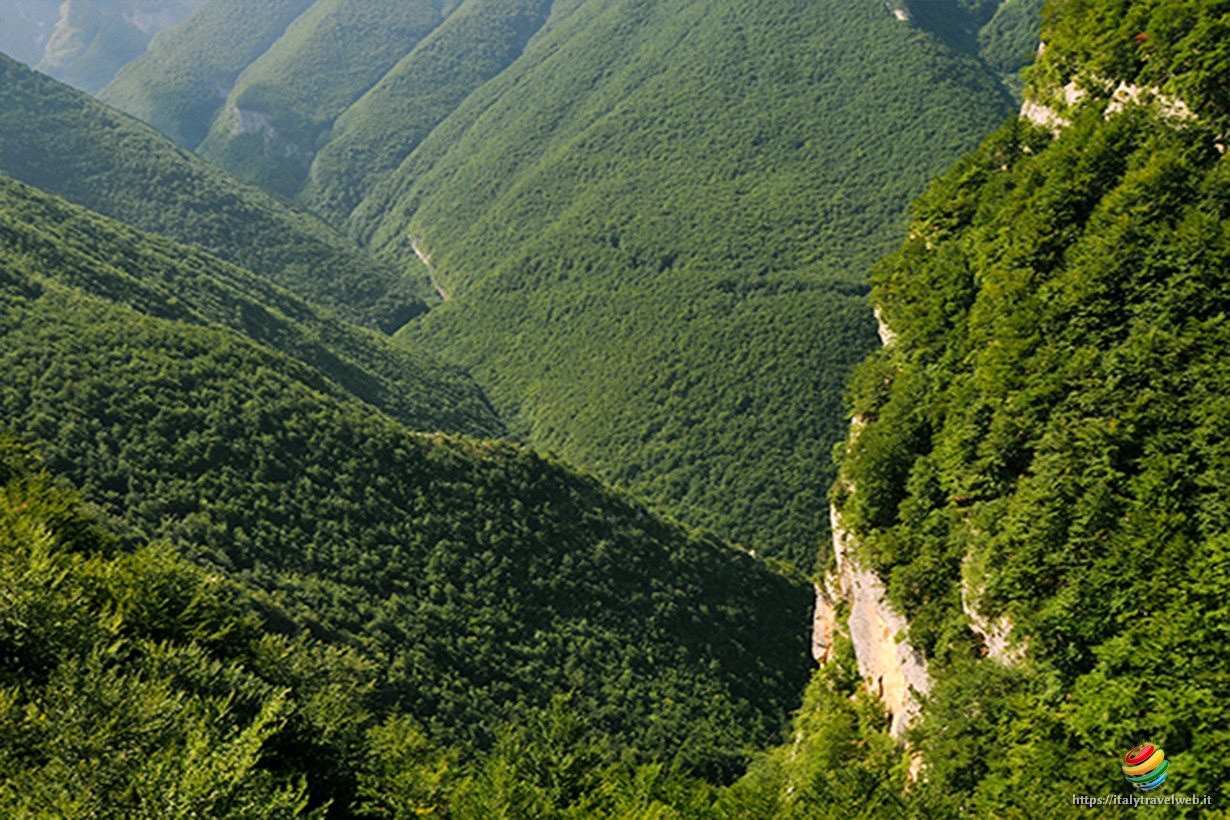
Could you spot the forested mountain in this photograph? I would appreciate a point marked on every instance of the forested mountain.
(654, 228)
(84, 42)
(463, 582)
(1040, 468)
(285, 101)
(184, 78)
(382, 128)
(160, 278)
(296, 570)
(652, 221)
(66, 143)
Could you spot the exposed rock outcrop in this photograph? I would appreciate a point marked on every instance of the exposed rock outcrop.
(248, 121)
(995, 633)
(1124, 95)
(890, 665)
(1043, 115)
(824, 626)
(887, 337)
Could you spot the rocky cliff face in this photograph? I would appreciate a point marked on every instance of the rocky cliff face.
(892, 668)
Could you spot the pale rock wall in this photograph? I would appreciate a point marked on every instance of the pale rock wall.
(1043, 115)
(996, 633)
(892, 668)
(824, 626)
(887, 337)
(1124, 95)
(249, 121)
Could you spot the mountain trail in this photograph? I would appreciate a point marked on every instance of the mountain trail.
(425, 258)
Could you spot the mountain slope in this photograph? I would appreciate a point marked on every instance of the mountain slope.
(64, 142)
(652, 221)
(158, 278)
(84, 42)
(184, 77)
(373, 136)
(25, 28)
(1039, 473)
(286, 100)
(653, 226)
(136, 684)
(479, 578)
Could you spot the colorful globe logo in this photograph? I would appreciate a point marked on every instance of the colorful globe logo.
(1145, 766)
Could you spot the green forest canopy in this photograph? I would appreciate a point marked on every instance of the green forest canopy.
(472, 580)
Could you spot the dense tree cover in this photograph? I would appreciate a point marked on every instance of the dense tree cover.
(360, 82)
(1003, 33)
(654, 225)
(603, 186)
(477, 578)
(637, 207)
(1009, 40)
(66, 143)
(324, 61)
(84, 42)
(373, 136)
(159, 278)
(1047, 439)
(1181, 47)
(184, 77)
(132, 683)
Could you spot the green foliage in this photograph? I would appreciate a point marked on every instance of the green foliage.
(652, 219)
(105, 705)
(372, 137)
(405, 775)
(184, 77)
(63, 142)
(1009, 40)
(840, 762)
(1046, 438)
(326, 59)
(1003, 33)
(161, 279)
(474, 579)
(652, 226)
(1181, 47)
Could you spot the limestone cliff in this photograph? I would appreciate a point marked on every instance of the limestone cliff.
(891, 667)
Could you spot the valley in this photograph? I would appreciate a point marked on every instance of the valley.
(604, 408)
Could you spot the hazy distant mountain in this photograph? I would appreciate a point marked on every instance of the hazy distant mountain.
(84, 42)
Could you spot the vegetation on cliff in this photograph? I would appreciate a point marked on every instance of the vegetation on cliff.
(1045, 442)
